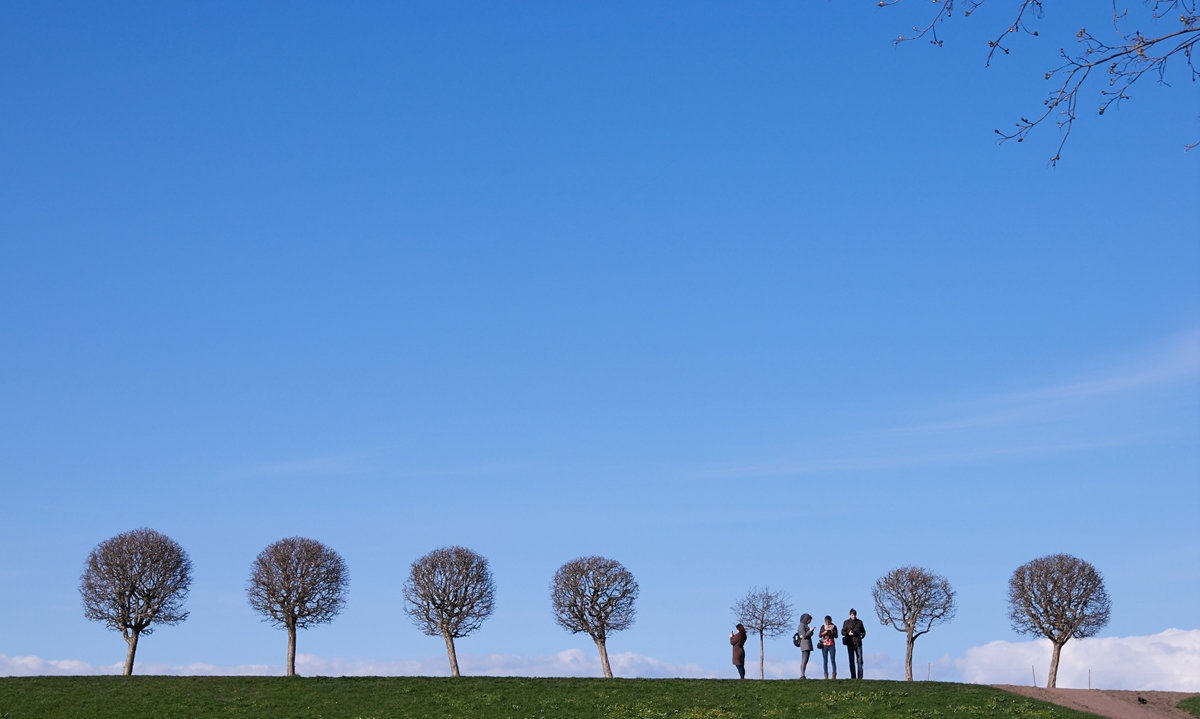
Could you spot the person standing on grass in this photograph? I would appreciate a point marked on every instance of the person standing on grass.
(805, 633)
(853, 632)
(738, 640)
(828, 645)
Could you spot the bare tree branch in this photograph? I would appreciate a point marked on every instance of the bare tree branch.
(766, 612)
(134, 581)
(913, 600)
(449, 593)
(594, 595)
(1059, 597)
(297, 582)
(1124, 58)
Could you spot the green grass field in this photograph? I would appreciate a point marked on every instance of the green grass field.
(1191, 706)
(499, 698)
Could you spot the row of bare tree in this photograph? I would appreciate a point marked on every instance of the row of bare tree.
(140, 579)
(1059, 597)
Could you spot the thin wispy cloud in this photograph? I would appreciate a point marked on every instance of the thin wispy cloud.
(1129, 403)
(369, 463)
(1176, 361)
(927, 458)
(307, 468)
(1080, 413)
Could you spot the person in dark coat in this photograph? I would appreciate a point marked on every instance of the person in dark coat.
(853, 632)
(805, 633)
(738, 640)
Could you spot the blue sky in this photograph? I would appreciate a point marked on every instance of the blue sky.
(736, 296)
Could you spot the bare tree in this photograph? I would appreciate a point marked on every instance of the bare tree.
(766, 612)
(913, 600)
(134, 581)
(594, 595)
(1120, 56)
(1059, 597)
(297, 582)
(449, 592)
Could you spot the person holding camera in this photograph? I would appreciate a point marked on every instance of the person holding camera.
(805, 633)
(828, 646)
(738, 640)
(853, 632)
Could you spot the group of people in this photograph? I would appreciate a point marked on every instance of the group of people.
(852, 635)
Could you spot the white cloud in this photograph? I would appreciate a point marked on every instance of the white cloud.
(628, 664)
(36, 666)
(876, 665)
(1167, 661)
(567, 663)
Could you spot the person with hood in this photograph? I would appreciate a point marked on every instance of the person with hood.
(805, 633)
(738, 640)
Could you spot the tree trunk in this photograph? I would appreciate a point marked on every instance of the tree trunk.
(450, 653)
(908, 658)
(131, 641)
(291, 658)
(761, 656)
(1052, 681)
(604, 659)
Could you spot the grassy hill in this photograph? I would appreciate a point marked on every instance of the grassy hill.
(499, 698)
(1191, 706)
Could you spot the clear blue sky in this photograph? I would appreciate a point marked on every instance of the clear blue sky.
(736, 296)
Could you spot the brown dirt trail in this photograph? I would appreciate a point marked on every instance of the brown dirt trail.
(1110, 703)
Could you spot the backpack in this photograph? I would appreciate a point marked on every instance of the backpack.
(796, 639)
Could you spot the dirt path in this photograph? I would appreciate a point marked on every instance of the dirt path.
(1109, 702)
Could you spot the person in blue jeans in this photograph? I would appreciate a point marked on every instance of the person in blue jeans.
(828, 635)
